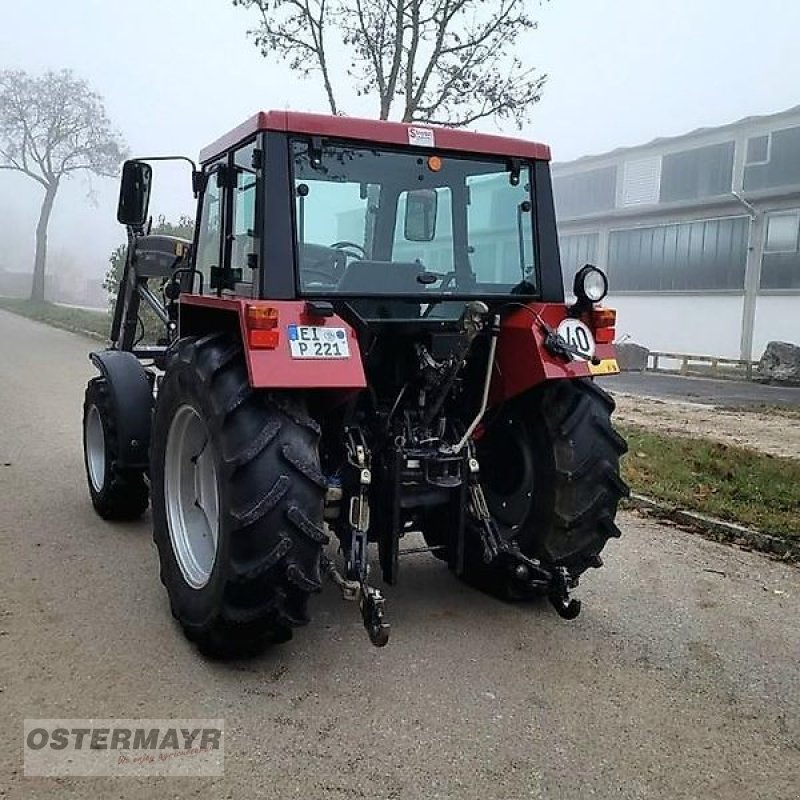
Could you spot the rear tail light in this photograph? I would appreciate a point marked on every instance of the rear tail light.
(262, 327)
(264, 340)
(603, 323)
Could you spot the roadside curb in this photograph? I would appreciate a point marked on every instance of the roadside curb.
(717, 529)
(71, 329)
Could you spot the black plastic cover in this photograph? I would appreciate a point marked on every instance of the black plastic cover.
(132, 398)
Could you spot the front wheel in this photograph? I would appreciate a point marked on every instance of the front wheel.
(117, 493)
(238, 498)
(549, 464)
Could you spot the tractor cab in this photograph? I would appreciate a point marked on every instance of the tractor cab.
(405, 216)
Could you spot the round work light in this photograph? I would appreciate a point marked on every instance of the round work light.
(591, 284)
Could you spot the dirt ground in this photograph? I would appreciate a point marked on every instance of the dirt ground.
(769, 430)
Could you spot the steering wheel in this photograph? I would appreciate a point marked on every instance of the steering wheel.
(351, 248)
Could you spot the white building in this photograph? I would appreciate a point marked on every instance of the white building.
(699, 235)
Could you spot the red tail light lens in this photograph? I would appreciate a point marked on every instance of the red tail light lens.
(264, 339)
(603, 322)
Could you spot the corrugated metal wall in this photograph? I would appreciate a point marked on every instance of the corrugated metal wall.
(687, 256)
(575, 252)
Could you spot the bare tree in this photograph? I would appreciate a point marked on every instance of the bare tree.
(50, 127)
(448, 62)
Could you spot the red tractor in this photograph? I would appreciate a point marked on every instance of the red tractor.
(368, 337)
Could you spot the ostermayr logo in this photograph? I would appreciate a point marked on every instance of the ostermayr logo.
(135, 747)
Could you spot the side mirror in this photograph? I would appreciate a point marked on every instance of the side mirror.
(134, 193)
(421, 207)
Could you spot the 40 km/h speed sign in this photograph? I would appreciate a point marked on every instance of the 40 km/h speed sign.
(579, 335)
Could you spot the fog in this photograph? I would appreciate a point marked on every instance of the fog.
(176, 75)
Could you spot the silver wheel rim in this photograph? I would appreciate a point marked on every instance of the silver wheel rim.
(191, 496)
(95, 444)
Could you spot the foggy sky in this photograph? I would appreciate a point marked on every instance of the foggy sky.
(175, 74)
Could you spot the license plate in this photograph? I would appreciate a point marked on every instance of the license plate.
(608, 366)
(314, 341)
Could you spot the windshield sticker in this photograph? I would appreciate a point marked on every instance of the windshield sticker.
(421, 137)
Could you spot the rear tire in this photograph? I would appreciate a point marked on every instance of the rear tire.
(117, 494)
(550, 472)
(269, 502)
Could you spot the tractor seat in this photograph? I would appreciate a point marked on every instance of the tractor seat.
(394, 278)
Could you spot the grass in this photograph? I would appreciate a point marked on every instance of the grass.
(731, 483)
(95, 323)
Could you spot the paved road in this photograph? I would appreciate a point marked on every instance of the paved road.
(679, 680)
(703, 390)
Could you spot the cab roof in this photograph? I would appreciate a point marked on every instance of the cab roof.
(377, 132)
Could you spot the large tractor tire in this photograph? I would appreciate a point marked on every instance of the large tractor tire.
(238, 499)
(550, 471)
(117, 494)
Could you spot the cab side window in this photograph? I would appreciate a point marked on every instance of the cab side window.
(243, 231)
(209, 232)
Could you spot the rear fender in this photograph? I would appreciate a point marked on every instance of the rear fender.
(132, 399)
(275, 368)
(522, 361)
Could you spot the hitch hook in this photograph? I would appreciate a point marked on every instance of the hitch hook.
(372, 605)
(566, 607)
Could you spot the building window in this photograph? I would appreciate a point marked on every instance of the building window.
(780, 267)
(782, 165)
(585, 192)
(782, 232)
(757, 150)
(707, 255)
(696, 173)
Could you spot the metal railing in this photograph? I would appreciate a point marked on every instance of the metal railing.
(710, 366)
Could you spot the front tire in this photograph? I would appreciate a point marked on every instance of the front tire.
(238, 498)
(117, 494)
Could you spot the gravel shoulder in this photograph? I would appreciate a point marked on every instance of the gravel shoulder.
(772, 430)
